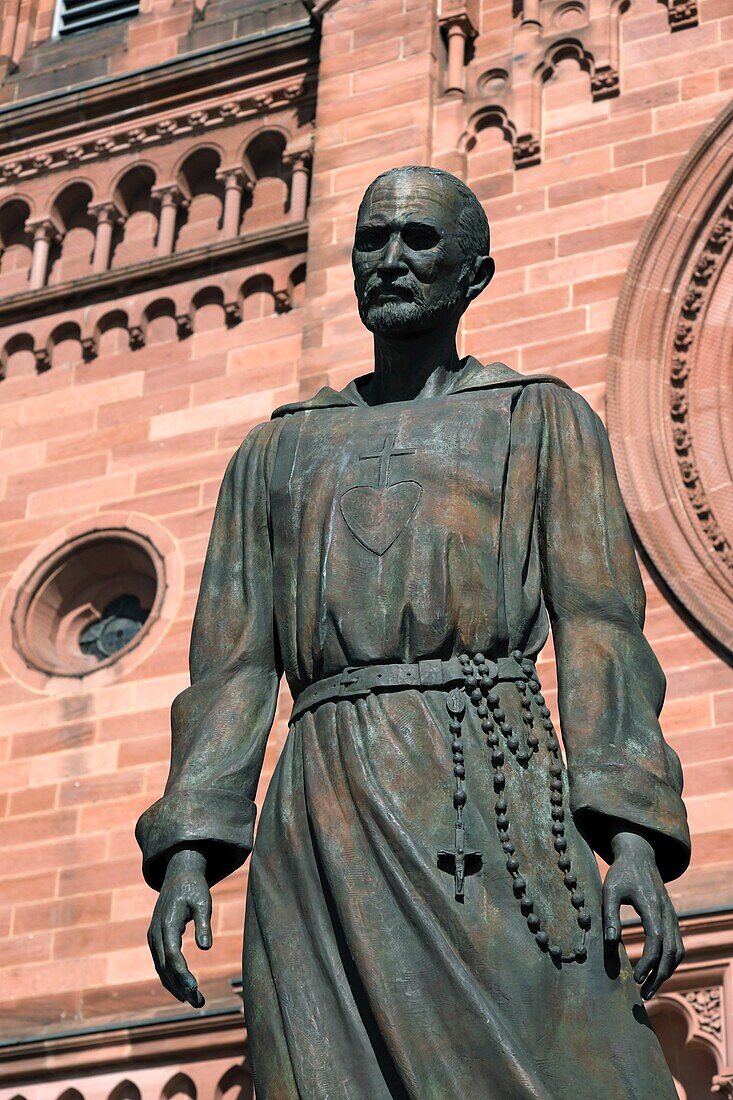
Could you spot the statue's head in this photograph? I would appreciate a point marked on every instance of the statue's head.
(421, 251)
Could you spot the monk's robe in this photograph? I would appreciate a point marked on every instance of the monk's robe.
(346, 536)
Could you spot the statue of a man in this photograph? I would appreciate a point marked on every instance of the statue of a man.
(425, 915)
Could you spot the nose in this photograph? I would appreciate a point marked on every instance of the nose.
(392, 257)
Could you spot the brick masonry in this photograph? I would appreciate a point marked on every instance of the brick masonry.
(150, 430)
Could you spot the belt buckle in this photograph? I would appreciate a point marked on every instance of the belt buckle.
(350, 683)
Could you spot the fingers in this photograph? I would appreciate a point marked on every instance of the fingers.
(672, 952)
(202, 922)
(646, 968)
(157, 950)
(611, 911)
(679, 945)
(182, 982)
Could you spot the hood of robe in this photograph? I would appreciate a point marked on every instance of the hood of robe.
(474, 376)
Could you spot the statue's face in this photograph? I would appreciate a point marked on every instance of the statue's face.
(407, 259)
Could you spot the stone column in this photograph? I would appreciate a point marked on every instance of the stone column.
(171, 200)
(531, 13)
(458, 22)
(44, 232)
(236, 182)
(299, 164)
(108, 216)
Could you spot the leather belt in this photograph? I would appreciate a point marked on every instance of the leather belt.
(355, 683)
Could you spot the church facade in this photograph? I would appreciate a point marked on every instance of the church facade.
(178, 188)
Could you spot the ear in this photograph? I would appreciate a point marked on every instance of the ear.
(481, 275)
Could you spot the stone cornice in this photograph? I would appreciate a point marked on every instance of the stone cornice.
(176, 84)
(213, 1034)
(281, 240)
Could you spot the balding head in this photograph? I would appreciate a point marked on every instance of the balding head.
(421, 251)
(472, 225)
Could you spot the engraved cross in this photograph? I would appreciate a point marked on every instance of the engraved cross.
(386, 454)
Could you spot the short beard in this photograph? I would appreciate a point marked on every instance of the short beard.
(409, 318)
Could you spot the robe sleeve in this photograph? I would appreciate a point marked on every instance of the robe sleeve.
(610, 685)
(221, 722)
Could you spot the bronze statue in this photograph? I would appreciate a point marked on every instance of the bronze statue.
(425, 916)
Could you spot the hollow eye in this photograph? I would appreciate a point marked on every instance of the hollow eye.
(420, 237)
(370, 238)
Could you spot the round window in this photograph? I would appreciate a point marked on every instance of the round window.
(89, 602)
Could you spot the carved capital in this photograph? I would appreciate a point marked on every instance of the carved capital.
(605, 83)
(283, 303)
(89, 348)
(184, 325)
(232, 313)
(526, 151)
(107, 212)
(43, 229)
(297, 160)
(136, 337)
(170, 194)
(236, 177)
(43, 361)
(460, 16)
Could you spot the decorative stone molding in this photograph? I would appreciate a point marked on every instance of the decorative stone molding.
(707, 1006)
(43, 615)
(544, 34)
(130, 315)
(147, 134)
(202, 1054)
(670, 403)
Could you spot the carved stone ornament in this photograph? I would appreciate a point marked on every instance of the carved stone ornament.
(707, 1006)
(670, 387)
(154, 132)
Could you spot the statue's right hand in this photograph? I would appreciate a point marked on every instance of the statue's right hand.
(184, 896)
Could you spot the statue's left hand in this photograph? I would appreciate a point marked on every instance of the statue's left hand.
(633, 879)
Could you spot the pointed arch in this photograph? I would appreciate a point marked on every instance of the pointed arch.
(125, 1090)
(180, 1087)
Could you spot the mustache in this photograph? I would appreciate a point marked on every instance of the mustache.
(409, 289)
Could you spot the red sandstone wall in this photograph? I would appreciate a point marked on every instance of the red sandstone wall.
(152, 432)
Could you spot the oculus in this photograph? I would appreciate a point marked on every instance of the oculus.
(88, 603)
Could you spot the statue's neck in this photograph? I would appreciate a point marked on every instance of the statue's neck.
(413, 367)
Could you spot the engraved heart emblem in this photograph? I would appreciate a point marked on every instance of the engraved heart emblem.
(377, 516)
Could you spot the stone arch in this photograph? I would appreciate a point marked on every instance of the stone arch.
(199, 183)
(16, 244)
(566, 49)
(207, 308)
(257, 297)
(125, 1090)
(692, 1059)
(493, 115)
(264, 159)
(484, 159)
(180, 1087)
(111, 333)
(20, 344)
(235, 1084)
(159, 321)
(71, 257)
(133, 196)
(668, 400)
(64, 346)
